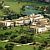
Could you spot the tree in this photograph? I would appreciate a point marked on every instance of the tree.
(44, 44)
(9, 46)
(40, 48)
(14, 24)
(2, 37)
(48, 11)
(21, 29)
(23, 8)
(1, 25)
(25, 39)
(1, 5)
(10, 26)
(13, 36)
(4, 27)
(7, 33)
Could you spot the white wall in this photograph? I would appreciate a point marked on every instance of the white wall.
(7, 23)
(26, 21)
(34, 23)
(42, 29)
(47, 26)
(19, 22)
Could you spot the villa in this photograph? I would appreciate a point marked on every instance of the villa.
(43, 21)
(41, 29)
(19, 22)
(7, 23)
(38, 16)
(38, 22)
(26, 21)
(38, 29)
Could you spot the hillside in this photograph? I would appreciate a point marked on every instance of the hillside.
(16, 6)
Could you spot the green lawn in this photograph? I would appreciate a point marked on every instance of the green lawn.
(23, 48)
(2, 44)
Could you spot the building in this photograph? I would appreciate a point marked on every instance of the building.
(38, 16)
(41, 29)
(32, 16)
(34, 23)
(26, 20)
(48, 26)
(38, 29)
(43, 21)
(19, 22)
(7, 23)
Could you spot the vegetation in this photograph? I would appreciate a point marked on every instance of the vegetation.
(9, 46)
(21, 34)
(48, 9)
(17, 6)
